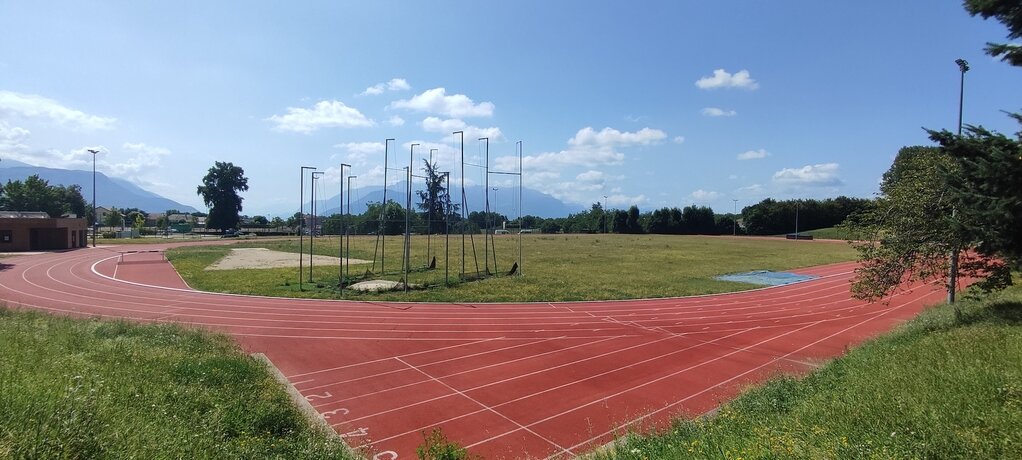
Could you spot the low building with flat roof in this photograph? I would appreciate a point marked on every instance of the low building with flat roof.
(37, 231)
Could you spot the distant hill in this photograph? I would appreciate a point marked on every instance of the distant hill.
(109, 191)
(504, 201)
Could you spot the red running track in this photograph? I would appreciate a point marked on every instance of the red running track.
(505, 380)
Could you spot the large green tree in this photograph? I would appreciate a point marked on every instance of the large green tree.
(435, 201)
(36, 194)
(986, 188)
(1007, 12)
(219, 190)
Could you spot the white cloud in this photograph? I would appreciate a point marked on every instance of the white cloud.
(359, 153)
(609, 137)
(12, 138)
(396, 121)
(718, 112)
(702, 196)
(679, 139)
(143, 158)
(447, 126)
(592, 177)
(395, 84)
(820, 175)
(437, 101)
(722, 79)
(33, 106)
(324, 114)
(753, 154)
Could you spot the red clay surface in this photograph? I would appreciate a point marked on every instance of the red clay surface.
(505, 380)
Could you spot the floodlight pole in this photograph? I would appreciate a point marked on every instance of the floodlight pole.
(347, 237)
(734, 220)
(301, 221)
(95, 215)
(312, 231)
(963, 66)
(340, 236)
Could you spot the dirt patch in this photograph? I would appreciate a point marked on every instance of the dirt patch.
(251, 258)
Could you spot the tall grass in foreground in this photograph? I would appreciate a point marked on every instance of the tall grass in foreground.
(72, 388)
(943, 386)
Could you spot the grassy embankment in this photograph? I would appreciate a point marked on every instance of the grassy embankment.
(74, 388)
(557, 267)
(943, 386)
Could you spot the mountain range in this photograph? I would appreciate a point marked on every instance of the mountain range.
(503, 201)
(110, 191)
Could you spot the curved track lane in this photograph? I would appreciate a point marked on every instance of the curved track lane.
(505, 380)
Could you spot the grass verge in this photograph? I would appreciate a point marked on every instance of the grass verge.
(945, 385)
(556, 267)
(76, 388)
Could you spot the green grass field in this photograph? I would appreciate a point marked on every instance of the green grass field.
(556, 267)
(832, 233)
(944, 386)
(73, 388)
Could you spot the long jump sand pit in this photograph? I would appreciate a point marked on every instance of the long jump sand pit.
(252, 258)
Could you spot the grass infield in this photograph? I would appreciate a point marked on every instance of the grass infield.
(556, 267)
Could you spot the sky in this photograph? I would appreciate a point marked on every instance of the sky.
(658, 103)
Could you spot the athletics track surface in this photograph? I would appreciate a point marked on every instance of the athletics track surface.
(505, 380)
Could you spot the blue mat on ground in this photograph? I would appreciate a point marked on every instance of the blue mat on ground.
(766, 278)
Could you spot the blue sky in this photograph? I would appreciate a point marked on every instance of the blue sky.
(652, 103)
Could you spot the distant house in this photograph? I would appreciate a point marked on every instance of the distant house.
(101, 213)
(37, 231)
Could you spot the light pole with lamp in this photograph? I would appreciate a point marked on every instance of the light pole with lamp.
(734, 219)
(952, 282)
(95, 215)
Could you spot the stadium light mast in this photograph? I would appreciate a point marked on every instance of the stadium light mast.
(952, 282)
(301, 221)
(734, 219)
(95, 215)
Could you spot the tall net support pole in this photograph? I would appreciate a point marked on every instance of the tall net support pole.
(432, 203)
(486, 192)
(521, 226)
(347, 235)
(380, 234)
(340, 236)
(462, 133)
(447, 229)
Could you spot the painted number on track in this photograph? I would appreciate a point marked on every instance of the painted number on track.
(322, 396)
(342, 411)
(359, 432)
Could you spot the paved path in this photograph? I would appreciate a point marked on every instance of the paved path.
(505, 380)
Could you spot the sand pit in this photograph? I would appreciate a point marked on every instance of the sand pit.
(251, 258)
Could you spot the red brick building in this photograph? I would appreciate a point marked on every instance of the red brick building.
(36, 231)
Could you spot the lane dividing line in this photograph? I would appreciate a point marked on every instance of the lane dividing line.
(487, 408)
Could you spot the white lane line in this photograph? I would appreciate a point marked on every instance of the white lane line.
(882, 313)
(303, 374)
(406, 385)
(633, 388)
(487, 408)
